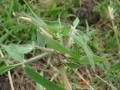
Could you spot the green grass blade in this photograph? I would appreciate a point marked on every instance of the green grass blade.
(41, 80)
(4, 69)
(80, 40)
(56, 45)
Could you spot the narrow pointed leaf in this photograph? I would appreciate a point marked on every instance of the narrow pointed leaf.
(56, 45)
(80, 40)
(4, 69)
(41, 80)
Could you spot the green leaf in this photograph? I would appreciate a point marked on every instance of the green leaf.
(76, 22)
(38, 86)
(80, 40)
(17, 51)
(40, 39)
(13, 53)
(54, 26)
(56, 45)
(75, 52)
(73, 65)
(41, 80)
(97, 59)
(23, 49)
(4, 69)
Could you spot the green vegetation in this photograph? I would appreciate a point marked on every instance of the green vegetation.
(60, 45)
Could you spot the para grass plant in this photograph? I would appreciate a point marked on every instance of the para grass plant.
(65, 43)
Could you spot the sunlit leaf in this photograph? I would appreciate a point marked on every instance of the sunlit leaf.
(17, 51)
(13, 53)
(76, 22)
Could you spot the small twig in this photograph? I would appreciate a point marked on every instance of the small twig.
(9, 74)
(31, 59)
(89, 75)
(80, 76)
(35, 58)
(45, 32)
(54, 76)
(106, 82)
(56, 70)
(45, 49)
(64, 78)
(10, 80)
(27, 19)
